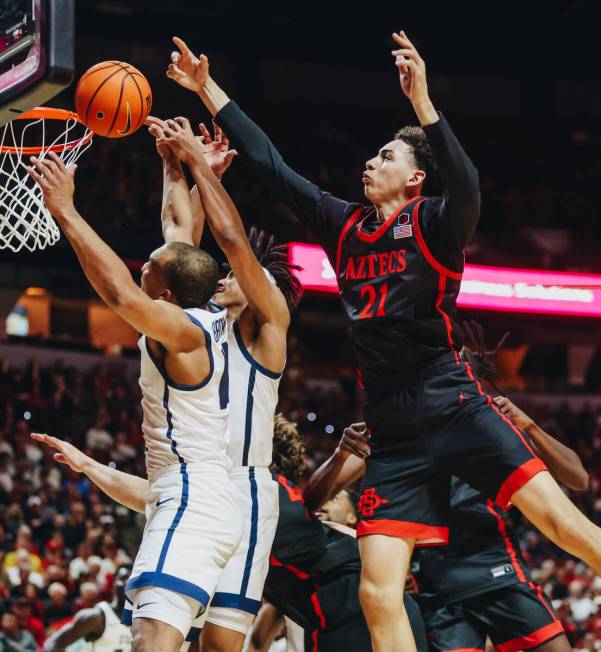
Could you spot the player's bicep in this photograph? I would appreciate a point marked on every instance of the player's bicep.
(160, 321)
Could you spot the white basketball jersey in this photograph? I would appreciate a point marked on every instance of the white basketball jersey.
(187, 423)
(251, 414)
(115, 638)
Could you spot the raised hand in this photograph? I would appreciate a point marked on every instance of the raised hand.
(216, 149)
(156, 128)
(66, 453)
(178, 135)
(412, 73)
(57, 182)
(355, 441)
(186, 68)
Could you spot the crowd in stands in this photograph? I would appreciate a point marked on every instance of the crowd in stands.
(61, 540)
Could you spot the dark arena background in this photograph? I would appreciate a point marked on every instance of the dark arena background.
(520, 85)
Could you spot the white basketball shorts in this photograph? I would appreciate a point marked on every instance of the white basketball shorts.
(194, 525)
(239, 590)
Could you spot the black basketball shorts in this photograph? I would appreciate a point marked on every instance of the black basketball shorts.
(517, 617)
(439, 425)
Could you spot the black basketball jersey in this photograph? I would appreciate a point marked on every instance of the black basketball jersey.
(401, 301)
(483, 553)
(306, 555)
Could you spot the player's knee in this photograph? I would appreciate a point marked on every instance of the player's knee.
(379, 599)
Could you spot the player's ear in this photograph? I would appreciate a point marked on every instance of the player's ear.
(417, 179)
(166, 295)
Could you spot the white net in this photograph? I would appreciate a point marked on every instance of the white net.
(24, 220)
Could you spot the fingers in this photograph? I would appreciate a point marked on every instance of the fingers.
(360, 427)
(44, 168)
(407, 53)
(218, 132)
(402, 39)
(173, 72)
(404, 64)
(358, 447)
(175, 57)
(153, 120)
(205, 133)
(59, 457)
(183, 123)
(36, 177)
(53, 442)
(156, 131)
(181, 45)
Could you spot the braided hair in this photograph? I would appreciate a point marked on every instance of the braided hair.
(274, 258)
(475, 352)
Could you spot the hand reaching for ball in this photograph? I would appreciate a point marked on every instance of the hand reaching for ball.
(215, 148)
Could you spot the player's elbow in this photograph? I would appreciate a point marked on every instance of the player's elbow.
(580, 480)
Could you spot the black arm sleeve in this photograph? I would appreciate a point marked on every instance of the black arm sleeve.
(322, 213)
(457, 215)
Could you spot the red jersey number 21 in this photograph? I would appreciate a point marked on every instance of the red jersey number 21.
(370, 293)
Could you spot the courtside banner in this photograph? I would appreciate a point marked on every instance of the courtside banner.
(506, 289)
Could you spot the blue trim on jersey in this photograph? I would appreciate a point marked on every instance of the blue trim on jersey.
(169, 432)
(127, 617)
(193, 634)
(254, 523)
(169, 582)
(161, 367)
(248, 424)
(253, 363)
(176, 520)
(234, 601)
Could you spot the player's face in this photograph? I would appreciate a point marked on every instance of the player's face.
(338, 510)
(152, 280)
(391, 173)
(229, 294)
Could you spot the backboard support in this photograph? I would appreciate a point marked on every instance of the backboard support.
(36, 53)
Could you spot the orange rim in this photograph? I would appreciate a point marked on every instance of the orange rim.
(48, 113)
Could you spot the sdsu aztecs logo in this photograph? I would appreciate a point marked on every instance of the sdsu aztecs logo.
(370, 501)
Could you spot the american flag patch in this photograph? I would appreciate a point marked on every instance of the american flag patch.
(402, 231)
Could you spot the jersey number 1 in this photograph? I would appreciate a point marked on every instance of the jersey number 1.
(370, 292)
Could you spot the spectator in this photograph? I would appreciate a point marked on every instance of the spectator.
(13, 638)
(23, 611)
(580, 603)
(58, 608)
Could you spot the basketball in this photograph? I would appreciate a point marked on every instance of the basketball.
(113, 99)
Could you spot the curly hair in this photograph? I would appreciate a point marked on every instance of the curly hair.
(415, 137)
(274, 258)
(288, 449)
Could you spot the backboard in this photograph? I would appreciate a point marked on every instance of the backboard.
(36, 53)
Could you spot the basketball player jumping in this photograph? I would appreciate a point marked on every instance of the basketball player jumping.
(259, 294)
(184, 383)
(399, 262)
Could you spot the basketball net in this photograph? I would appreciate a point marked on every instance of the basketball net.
(24, 220)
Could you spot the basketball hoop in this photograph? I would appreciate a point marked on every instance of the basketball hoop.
(24, 220)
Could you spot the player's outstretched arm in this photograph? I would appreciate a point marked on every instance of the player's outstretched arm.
(160, 320)
(87, 622)
(124, 488)
(459, 175)
(182, 214)
(177, 216)
(341, 470)
(265, 300)
(319, 211)
(564, 463)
